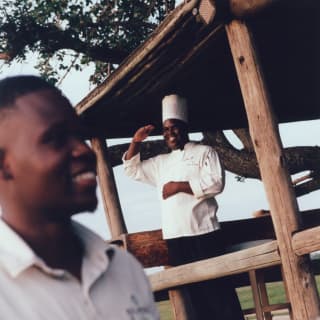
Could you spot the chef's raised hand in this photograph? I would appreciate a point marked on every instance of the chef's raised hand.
(173, 187)
(142, 133)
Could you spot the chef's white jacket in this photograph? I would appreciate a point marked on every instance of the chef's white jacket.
(184, 214)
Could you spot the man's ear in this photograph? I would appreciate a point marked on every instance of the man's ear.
(5, 172)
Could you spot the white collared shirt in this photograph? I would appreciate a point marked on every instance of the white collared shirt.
(113, 286)
(184, 214)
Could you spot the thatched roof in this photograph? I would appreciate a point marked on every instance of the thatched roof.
(191, 56)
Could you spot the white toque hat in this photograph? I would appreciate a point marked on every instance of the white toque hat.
(174, 107)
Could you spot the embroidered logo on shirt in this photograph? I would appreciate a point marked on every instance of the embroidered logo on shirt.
(137, 312)
(191, 161)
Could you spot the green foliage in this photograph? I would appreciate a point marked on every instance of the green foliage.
(74, 33)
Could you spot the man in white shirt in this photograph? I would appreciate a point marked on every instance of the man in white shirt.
(187, 180)
(50, 266)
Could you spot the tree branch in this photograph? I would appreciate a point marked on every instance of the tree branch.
(244, 136)
(239, 162)
(50, 39)
(54, 39)
(307, 187)
(68, 70)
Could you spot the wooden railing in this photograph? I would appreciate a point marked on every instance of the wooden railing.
(261, 256)
(151, 250)
(245, 265)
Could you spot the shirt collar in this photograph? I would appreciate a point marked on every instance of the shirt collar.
(185, 147)
(16, 255)
(96, 250)
(97, 256)
(188, 145)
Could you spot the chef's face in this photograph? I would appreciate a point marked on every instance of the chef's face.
(175, 133)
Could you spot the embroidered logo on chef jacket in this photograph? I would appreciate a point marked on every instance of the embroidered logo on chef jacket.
(138, 312)
(191, 161)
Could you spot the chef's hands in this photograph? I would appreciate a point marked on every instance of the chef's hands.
(169, 189)
(142, 133)
(173, 187)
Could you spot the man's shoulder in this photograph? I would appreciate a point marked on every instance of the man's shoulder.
(93, 241)
(121, 253)
(90, 239)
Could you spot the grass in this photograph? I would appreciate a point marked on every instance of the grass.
(165, 310)
(276, 294)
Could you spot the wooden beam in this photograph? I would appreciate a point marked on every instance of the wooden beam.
(242, 8)
(256, 294)
(181, 304)
(108, 187)
(267, 144)
(306, 241)
(138, 55)
(261, 256)
(272, 307)
(151, 250)
(148, 247)
(258, 280)
(207, 11)
(145, 76)
(4, 56)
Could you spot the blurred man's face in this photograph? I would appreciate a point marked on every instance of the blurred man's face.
(50, 168)
(175, 133)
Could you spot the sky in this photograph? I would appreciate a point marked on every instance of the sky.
(139, 202)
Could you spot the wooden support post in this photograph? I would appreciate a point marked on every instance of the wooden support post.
(260, 294)
(306, 241)
(256, 294)
(263, 293)
(178, 298)
(287, 295)
(181, 304)
(257, 257)
(266, 139)
(108, 187)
